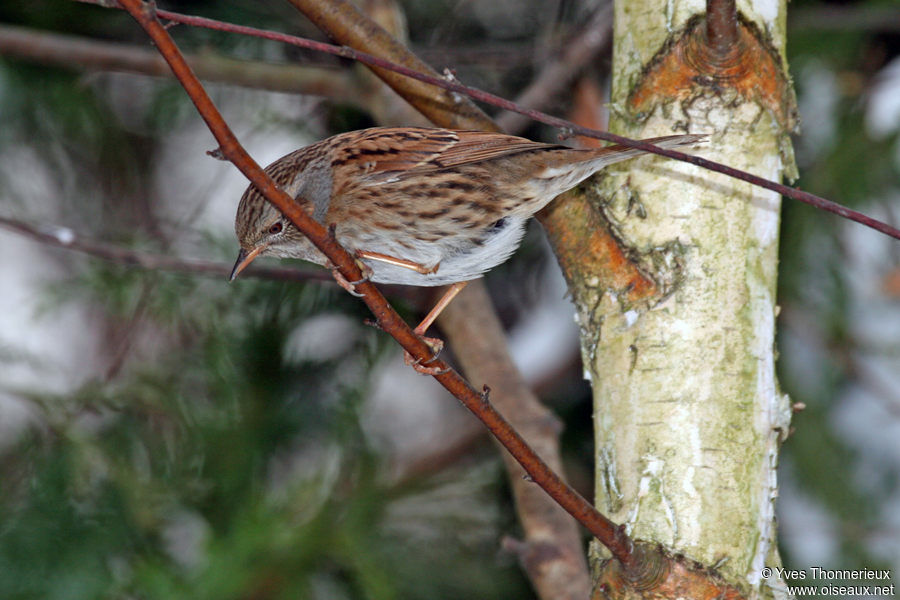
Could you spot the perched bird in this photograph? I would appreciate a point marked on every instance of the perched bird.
(419, 206)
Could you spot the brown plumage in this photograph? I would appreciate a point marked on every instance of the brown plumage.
(419, 206)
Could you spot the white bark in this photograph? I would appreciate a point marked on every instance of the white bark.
(688, 414)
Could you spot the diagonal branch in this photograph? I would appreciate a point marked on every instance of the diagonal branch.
(552, 555)
(342, 21)
(607, 532)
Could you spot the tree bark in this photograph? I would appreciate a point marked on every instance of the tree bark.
(688, 414)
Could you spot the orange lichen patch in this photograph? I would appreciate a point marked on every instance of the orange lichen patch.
(578, 232)
(665, 577)
(689, 66)
(586, 249)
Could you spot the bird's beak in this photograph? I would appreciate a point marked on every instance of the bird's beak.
(244, 259)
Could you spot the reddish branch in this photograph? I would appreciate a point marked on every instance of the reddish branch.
(607, 532)
(567, 126)
(554, 559)
(552, 542)
(721, 29)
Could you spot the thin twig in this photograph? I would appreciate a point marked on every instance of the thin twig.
(63, 237)
(611, 535)
(567, 126)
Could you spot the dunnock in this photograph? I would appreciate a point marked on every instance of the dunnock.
(419, 206)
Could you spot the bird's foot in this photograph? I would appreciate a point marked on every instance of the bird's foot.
(421, 366)
(350, 286)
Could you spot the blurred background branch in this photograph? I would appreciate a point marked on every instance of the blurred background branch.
(63, 237)
(86, 54)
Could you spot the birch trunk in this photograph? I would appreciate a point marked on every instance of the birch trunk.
(688, 414)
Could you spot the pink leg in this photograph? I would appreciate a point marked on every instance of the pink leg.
(448, 296)
(436, 344)
(400, 262)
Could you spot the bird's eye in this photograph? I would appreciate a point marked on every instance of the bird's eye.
(276, 228)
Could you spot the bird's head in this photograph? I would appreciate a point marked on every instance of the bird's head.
(263, 230)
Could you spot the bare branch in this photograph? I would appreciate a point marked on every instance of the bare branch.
(721, 28)
(558, 569)
(63, 237)
(557, 573)
(76, 52)
(611, 535)
(561, 71)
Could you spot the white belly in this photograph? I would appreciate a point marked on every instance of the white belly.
(453, 265)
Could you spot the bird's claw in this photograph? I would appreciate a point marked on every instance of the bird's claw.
(421, 366)
(350, 286)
